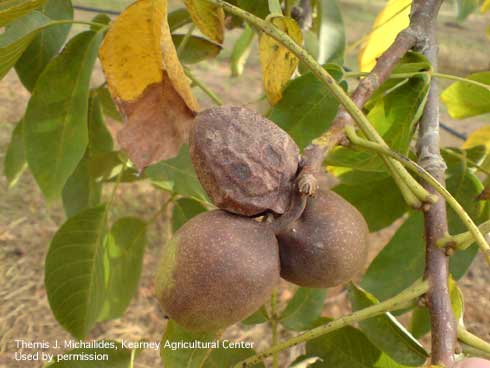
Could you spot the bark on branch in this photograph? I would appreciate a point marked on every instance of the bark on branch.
(435, 219)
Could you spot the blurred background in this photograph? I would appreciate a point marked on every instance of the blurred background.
(27, 223)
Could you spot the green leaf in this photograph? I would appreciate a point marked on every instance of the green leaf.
(347, 348)
(100, 139)
(386, 333)
(190, 356)
(46, 44)
(17, 38)
(331, 34)
(241, 51)
(55, 130)
(107, 103)
(227, 356)
(420, 322)
(15, 162)
(257, 318)
(117, 357)
(124, 248)
(379, 201)
(304, 309)
(400, 263)
(81, 190)
(184, 210)
(307, 108)
(74, 271)
(101, 19)
(179, 174)
(197, 49)
(259, 8)
(465, 7)
(12, 9)
(106, 165)
(394, 116)
(464, 100)
(178, 18)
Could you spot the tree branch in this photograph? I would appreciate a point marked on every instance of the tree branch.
(443, 323)
(407, 39)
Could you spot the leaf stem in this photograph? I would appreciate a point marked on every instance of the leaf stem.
(463, 240)
(470, 162)
(216, 99)
(461, 79)
(417, 169)
(395, 303)
(474, 341)
(274, 327)
(114, 189)
(185, 40)
(430, 73)
(161, 209)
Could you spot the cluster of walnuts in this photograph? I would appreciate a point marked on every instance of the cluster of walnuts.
(222, 265)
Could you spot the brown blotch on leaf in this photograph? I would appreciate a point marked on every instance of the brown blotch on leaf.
(245, 162)
(157, 124)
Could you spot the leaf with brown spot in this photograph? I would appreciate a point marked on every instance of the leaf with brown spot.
(278, 63)
(148, 83)
(209, 18)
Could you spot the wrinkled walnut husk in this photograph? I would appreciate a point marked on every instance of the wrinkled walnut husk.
(245, 162)
(327, 246)
(217, 270)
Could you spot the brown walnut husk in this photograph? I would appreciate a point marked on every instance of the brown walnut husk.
(327, 246)
(217, 270)
(245, 162)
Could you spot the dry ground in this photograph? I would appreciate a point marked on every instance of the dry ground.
(27, 223)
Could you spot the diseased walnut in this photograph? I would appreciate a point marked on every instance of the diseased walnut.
(245, 162)
(217, 270)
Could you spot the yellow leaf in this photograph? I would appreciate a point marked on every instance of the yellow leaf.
(278, 63)
(148, 83)
(480, 137)
(392, 19)
(209, 18)
(485, 7)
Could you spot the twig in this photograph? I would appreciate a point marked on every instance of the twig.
(399, 301)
